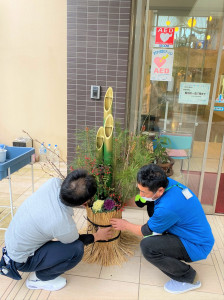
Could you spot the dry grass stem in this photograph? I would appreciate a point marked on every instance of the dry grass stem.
(50, 164)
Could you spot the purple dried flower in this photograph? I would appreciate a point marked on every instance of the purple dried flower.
(109, 204)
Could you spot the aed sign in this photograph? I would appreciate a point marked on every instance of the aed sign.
(164, 36)
(162, 64)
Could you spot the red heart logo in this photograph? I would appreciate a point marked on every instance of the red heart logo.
(159, 61)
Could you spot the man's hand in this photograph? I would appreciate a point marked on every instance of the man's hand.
(119, 224)
(103, 234)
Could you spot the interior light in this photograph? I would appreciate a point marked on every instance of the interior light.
(208, 37)
(210, 18)
(168, 22)
(176, 29)
(191, 23)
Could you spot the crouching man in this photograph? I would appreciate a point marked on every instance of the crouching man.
(177, 231)
(44, 216)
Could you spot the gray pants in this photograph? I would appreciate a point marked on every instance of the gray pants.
(167, 253)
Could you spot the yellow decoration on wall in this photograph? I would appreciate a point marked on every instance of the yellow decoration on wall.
(191, 23)
(176, 29)
(168, 22)
(208, 37)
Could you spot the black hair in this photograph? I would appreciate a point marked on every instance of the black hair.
(152, 177)
(77, 188)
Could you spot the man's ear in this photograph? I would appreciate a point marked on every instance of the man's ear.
(161, 190)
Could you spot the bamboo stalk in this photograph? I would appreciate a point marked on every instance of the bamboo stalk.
(108, 139)
(108, 101)
(99, 143)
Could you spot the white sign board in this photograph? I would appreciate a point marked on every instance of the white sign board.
(162, 64)
(194, 93)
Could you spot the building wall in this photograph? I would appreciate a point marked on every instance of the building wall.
(98, 46)
(33, 71)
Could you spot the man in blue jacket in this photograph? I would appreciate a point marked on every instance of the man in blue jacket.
(177, 231)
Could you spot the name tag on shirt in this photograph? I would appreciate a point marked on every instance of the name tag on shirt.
(187, 194)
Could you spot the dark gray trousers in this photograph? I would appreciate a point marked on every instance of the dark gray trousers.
(53, 259)
(167, 253)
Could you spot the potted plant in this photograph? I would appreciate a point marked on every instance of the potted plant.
(113, 156)
(160, 156)
(116, 181)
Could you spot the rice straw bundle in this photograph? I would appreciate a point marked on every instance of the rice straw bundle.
(113, 252)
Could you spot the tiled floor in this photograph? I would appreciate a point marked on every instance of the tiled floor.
(135, 280)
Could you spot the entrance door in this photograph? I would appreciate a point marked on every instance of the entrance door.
(211, 190)
(197, 48)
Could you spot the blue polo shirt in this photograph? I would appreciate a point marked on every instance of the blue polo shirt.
(174, 214)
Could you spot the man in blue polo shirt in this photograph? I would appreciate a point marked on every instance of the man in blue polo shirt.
(177, 231)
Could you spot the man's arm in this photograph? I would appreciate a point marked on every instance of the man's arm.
(141, 230)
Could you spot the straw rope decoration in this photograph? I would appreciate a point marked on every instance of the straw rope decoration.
(122, 244)
(114, 252)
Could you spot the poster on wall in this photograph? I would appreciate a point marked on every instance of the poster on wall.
(162, 64)
(194, 93)
(164, 37)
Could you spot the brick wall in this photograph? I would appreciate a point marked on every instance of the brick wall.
(97, 54)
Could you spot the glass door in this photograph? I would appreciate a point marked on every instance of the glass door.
(211, 189)
(198, 40)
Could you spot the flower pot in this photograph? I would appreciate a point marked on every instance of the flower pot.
(168, 167)
(3, 155)
(113, 251)
(101, 219)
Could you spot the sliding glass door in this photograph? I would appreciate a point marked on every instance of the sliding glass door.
(190, 98)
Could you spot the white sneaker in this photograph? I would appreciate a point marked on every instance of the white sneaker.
(177, 287)
(33, 283)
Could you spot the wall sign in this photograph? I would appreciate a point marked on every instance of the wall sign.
(162, 64)
(218, 108)
(194, 93)
(164, 37)
(220, 99)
